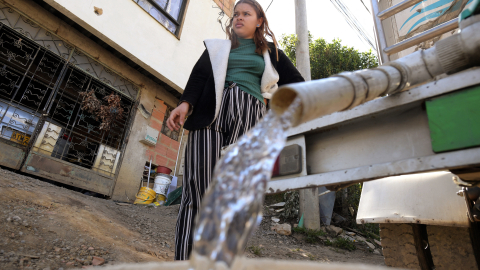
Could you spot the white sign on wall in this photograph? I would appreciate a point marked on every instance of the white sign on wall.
(151, 136)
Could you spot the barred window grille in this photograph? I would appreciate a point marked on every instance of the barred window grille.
(41, 78)
(167, 12)
(172, 134)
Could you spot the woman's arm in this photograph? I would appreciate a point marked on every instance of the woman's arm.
(195, 85)
(287, 71)
(197, 80)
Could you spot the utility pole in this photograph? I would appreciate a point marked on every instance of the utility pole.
(309, 206)
(302, 51)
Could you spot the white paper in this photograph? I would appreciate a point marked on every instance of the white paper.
(173, 185)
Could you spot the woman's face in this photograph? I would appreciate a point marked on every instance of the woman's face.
(245, 21)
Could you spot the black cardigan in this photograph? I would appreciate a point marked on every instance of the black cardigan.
(200, 89)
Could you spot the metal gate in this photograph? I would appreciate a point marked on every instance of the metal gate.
(44, 131)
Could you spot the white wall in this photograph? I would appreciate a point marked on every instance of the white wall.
(128, 28)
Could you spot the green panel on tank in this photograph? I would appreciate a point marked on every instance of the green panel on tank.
(454, 120)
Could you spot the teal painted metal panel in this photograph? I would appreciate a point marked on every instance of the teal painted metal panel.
(454, 120)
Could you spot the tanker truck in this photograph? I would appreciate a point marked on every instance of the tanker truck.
(409, 130)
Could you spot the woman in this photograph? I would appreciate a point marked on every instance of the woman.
(225, 96)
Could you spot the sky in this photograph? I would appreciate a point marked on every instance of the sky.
(323, 19)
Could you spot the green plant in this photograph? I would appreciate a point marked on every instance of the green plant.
(292, 204)
(255, 250)
(274, 198)
(327, 59)
(370, 230)
(311, 236)
(372, 235)
(354, 192)
(342, 243)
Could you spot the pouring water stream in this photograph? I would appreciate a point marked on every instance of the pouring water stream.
(232, 206)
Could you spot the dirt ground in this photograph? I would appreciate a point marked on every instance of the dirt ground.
(44, 226)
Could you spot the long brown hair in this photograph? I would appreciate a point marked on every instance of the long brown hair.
(260, 33)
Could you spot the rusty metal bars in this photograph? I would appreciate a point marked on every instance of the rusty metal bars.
(40, 94)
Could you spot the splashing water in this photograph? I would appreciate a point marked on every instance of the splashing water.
(232, 206)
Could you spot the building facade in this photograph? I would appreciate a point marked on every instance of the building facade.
(82, 84)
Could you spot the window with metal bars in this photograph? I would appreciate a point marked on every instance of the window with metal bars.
(172, 134)
(41, 81)
(168, 12)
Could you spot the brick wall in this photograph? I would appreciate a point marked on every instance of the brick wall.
(226, 6)
(165, 152)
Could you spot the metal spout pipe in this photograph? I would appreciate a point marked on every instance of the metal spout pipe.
(349, 89)
(337, 93)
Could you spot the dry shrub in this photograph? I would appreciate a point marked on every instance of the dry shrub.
(106, 113)
(90, 102)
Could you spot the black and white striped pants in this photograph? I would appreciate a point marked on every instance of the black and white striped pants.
(239, 112)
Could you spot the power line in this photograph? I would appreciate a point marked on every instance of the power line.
(365, 6)
(353, 22)
(221, 14)
(268, 6)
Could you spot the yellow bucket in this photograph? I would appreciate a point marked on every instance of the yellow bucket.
(161, 197)
(145, 195)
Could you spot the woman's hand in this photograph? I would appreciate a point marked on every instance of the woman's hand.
(177, 116)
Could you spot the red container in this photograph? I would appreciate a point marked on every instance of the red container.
(163, 169)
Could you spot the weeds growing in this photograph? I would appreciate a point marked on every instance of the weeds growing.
(255, 250)
(342, 243)
(311, 235)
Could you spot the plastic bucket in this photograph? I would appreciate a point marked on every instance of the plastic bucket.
(145, 195)
(163, 169)
(162, 183)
